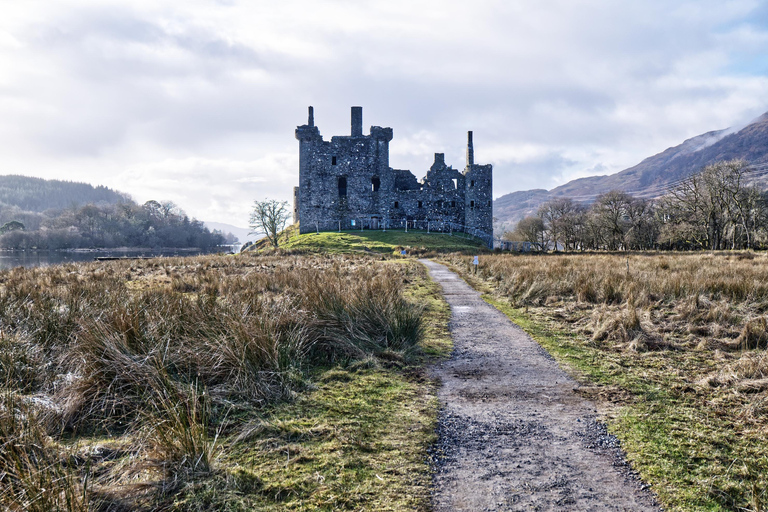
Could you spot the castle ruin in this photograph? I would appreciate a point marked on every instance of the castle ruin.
(347, 183)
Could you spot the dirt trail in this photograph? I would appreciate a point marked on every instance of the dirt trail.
(513, 435)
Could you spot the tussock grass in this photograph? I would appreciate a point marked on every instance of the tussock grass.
(35, 474)
(674, 346)
(674, 300)
(169, 357)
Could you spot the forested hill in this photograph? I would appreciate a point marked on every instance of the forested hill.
(37, 195)
(37, 214)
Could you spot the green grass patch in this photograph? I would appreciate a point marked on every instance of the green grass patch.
(436, 342)
(357, 442)
(386, 242)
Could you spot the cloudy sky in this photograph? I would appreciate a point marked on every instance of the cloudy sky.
(196, 101)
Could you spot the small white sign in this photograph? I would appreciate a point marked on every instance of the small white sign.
(353, 222)
(476, 261)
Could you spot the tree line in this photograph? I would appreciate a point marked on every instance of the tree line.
(37, 194)
(125, 224)
(717, 208)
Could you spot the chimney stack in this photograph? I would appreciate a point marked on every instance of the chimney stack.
(470, 150)
(357, 121)
(311, 120)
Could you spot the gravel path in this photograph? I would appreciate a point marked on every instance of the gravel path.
(512, 433)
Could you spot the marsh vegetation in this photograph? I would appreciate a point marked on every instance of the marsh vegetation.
(216, 383)
(674, 345)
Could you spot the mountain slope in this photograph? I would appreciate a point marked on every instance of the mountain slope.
(652, 176)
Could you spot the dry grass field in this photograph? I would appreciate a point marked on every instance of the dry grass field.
(280, 382)
(672, 345)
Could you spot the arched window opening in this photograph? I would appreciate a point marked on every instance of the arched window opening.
(375, 184)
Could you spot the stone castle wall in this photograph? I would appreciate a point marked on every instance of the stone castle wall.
(347, 181)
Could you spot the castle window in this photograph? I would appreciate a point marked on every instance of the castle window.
(439, 204)
(453, 204)
(489, 203)
(397, 205)
(420, 204)
(333, 161)
(471, 204)
(342, 186)
(455, 183)
(471, 183)
(375, 184)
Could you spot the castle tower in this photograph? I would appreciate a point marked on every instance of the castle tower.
(470, 150)
(345, 182)
(478, 195)
(357, 122)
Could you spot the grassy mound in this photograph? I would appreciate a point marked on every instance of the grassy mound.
(384, 242)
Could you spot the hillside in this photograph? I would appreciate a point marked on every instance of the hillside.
(54, 215)
(651, 177)
(510, 208)
(37, 195)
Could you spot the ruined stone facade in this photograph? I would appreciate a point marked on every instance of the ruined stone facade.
(347, 183)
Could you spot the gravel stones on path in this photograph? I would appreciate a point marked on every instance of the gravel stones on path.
(512, 434)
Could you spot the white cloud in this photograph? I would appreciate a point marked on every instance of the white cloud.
(197, 101)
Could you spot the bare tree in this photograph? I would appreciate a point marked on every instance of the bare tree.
(683, 215)
(168, 208)
(563, 217)
(643, 229)
(269, 218)
(713, 209)
(531, 229)
(611, 213)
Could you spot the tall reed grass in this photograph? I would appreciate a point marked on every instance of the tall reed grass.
(656, 300)
(164, 349)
